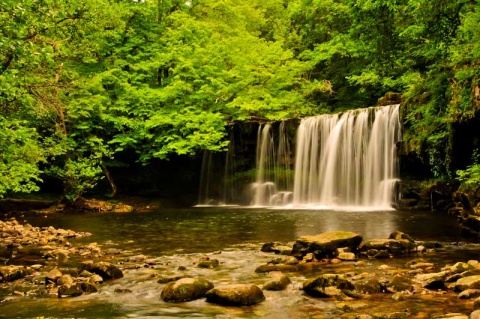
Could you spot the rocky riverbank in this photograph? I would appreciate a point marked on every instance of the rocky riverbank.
(361, 278)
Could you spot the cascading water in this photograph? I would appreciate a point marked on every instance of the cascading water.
(272, 184)
(217, 188)
(348, 159)
(341, 161)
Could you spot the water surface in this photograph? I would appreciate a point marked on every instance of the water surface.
(179, 237)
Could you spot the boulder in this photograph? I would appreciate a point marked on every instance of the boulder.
(277, 248)
(399, 283)
(103, 269)
(206, 262)
(370, 285)
(11, 273)
(326, 244)
(460, 267)
(76, 289)
(470, 282)
(393, 246)
(235, 295)
(399, 235)
(432, 280)
(327, 285)
(65, 280)
(278, 282)
(475, 314)
(476, 304)
(469, 294)
(185, 289)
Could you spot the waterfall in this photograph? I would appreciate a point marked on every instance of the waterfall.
(341, 161)
(217, 185)
(272, 183)
(347, 159)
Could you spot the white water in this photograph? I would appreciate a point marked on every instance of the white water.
(272, 180)
(347, 160)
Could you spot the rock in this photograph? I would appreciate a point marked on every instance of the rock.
(164, 280)
(393, 246)
(282, 268)
(399, 235)
(137, 258)
(470, 282)
(461, 267)
(451, 316)
(476, 304)
(277, 248)
(321, 285)
(122, 290)
(398, 296)
(185, 289)
(53, 275)
(346, 256)
(122, 208)
(475, 314)
(104, 269)
(433, 280)
(422, 266)
(382, 254)
(288, 260)
(278, 282)
(95, 279)
(208, 263)
(474, 263)
(65, 280)
(76, 289)
(70, 290)
(88, 287)
(469, 294)
(399, 283)
(370, 286)
(326, 244)
(235, 295)
(12, 273)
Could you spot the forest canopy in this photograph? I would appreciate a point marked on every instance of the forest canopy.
(82, 80)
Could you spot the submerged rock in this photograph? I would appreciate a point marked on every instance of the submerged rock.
(185, 289)
(235, 295)
(326, 244)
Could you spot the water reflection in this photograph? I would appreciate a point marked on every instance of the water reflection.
(193, 230)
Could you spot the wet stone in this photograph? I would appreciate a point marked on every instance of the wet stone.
(278, 282)
(235, 295)
(208, 263)
(185, 289)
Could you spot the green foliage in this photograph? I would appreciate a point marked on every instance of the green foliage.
(82, 80)
(20, 154)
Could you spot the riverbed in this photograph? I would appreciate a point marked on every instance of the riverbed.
(175, 239)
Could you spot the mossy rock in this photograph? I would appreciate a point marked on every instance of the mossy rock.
(185, 289)
(235, 295)
(326, 244)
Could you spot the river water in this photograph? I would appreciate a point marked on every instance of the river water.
(180, 237)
